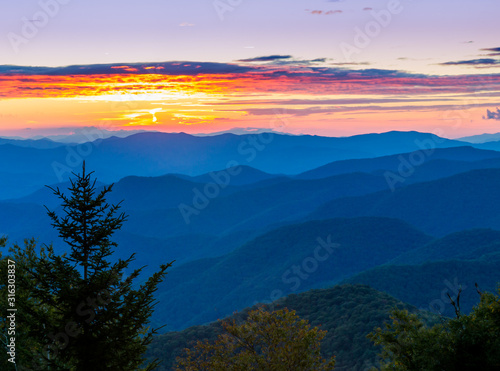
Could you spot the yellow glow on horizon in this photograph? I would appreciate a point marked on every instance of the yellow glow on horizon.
(209, 103)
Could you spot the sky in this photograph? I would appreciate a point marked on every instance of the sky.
(334, 68)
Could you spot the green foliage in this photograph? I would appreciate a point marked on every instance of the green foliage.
(276, 341)
(27, 321)
(466, 342)
(347, 312)
(79, 311)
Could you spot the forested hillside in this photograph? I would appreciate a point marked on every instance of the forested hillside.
(347, 312)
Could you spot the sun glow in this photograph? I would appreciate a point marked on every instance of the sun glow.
(312, 103)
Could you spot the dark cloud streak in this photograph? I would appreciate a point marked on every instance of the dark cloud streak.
(163, 68)
(492, 50)
(267, 58)
(474, 62)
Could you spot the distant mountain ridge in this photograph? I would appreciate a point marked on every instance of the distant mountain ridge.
(39, 162)
(246, 175)
(426, 285)
(254, 202)
(463, 154)
(424, 276)
(43, 143)
(481, 138)
(80, 135)
(439, 207)
(289, 259)
(464, 245)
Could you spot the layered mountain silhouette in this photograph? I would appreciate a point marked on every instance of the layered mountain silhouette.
(34, 163)
(463, 201)
(253, 218)
(289, 259)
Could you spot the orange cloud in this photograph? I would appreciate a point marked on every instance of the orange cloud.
(174, 81)
(274, 81)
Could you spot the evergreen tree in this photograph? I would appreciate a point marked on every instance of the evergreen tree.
(82, 313)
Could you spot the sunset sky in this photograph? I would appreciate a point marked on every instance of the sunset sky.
(336, 68)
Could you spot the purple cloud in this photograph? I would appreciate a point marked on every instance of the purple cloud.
(492, 115)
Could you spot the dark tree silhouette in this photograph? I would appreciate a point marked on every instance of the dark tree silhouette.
(82, 313)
